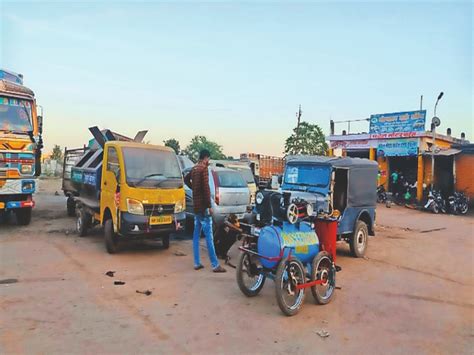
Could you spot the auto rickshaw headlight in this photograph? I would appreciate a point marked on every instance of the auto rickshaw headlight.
(259, 198)
(309, 209)
(179, 207)
(134, 207)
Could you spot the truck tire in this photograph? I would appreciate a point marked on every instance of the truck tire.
(111, 239)
(83, 222)
(23, 216)
(166, 241)
(359, 239)
(71, 206)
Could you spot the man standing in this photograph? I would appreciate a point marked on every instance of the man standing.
(198, 181)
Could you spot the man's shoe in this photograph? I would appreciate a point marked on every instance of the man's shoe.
(199, 267)
(219, 269)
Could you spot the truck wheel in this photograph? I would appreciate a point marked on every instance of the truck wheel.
(166, 241)
(83, 222)
(23, 216)
(359, 239)
(71, 206)
(111, 239)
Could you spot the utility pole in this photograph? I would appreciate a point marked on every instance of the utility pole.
(298, 117)
(435, 122)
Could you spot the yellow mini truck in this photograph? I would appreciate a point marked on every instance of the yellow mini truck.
(134, 190)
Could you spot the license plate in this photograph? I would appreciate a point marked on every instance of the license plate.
(155, 220)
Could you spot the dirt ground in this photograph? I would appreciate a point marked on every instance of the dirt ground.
(412, 294)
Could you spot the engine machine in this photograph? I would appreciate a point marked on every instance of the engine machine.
(292, 245)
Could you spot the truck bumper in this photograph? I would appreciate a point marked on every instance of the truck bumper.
(139, 226)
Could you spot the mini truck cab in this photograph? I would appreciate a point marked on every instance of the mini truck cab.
(338, 187)
(137, 193)
(20, 147)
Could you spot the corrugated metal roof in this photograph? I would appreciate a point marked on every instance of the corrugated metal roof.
(334, 161)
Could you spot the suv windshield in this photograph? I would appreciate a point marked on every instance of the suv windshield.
(15, 115)
(307, 175)
(230, 179)
(151, 168)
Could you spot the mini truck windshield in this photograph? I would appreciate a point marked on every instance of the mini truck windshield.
(15, 115)
(307, 175)
(151, 168)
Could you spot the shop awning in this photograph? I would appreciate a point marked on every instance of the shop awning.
(444, 152)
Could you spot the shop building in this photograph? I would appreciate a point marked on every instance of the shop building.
(399, 142)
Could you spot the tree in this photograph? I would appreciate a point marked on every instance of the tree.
(57, 153)
(199, 143)
(308, 139)
(173, 143)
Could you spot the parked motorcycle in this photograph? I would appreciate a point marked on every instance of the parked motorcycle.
(458, 203)
(435, 202)
(381, 194)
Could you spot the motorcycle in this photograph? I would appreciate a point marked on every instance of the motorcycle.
(458, 203)
(435, 202)
(381, 194)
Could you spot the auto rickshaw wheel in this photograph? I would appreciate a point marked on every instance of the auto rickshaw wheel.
(250, 278)
(359, 239)
(289, 274)
(111, 239)
(323, 269)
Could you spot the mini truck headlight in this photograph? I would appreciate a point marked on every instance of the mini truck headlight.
(26, 169)
(134, 207)
(179, 207)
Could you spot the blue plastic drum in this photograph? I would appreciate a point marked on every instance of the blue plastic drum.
(302, 240)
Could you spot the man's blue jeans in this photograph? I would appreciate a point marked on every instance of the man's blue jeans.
(204, 222)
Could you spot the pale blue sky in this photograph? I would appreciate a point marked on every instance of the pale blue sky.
(236, 72)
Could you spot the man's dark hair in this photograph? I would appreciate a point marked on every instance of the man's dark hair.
(204, 154)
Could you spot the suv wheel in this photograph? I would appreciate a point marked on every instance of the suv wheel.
(359, 240)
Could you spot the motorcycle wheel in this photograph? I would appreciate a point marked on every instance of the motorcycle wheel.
(290, 273)
(435, 208)
(323, 269)
(463, 208)
(250, 278)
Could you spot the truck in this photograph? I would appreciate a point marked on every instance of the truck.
(264, 167)
(134, 190)
(20, 147)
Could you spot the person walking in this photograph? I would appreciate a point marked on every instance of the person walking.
(198, 181)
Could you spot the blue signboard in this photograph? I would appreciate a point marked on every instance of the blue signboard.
(397, 122)
(398, 147)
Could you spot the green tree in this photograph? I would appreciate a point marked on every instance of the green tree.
(57, 153)
(309, 140)
(174, 144)
(199, 143)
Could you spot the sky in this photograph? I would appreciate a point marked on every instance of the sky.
(237, 71)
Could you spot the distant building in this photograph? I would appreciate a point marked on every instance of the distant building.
(399, 141)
